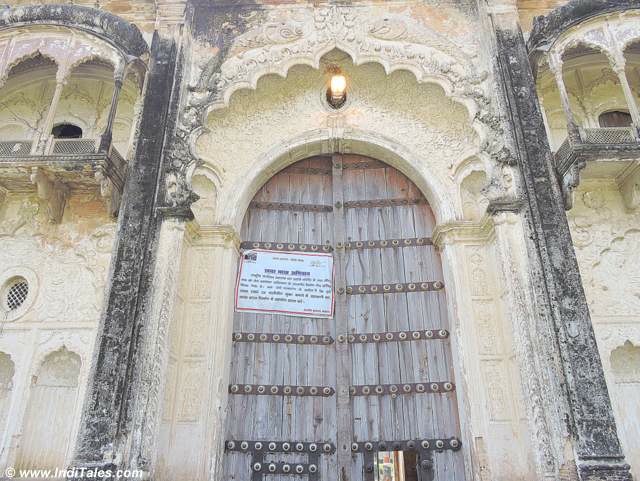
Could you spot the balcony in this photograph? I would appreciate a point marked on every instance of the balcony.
(609, 144)
(604, 153)
(63, 167)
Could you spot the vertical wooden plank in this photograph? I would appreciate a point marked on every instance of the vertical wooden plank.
(358, 312)
(343, 357)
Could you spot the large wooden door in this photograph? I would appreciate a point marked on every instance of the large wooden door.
(320, 398)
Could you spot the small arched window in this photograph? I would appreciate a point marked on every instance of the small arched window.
(66, 131)
(615, 118)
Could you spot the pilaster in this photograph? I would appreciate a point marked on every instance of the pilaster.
(106, 437)
(154, 347)
(594, 439)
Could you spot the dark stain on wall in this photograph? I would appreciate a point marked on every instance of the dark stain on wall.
(104, 422)
(598, 451)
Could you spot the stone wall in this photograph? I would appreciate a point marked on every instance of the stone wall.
(66, 267)
(232, 98)
(606, 237)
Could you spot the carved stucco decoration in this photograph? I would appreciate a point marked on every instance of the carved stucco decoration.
(71, 262)
(606, 34)
(606, 236)
(66, 49)
(616, 280)
(302, 37)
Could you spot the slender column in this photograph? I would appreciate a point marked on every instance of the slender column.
(555, 64)
(61, 81)
(618, 65)
(107, 136)
(547, 127)
(589, 414)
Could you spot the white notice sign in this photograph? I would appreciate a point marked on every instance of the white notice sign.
(292, 283)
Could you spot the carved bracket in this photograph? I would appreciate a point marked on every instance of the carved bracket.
(52, 191)
(569, 181)
(109, 192)
(630, 188)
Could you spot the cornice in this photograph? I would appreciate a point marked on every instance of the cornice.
(463, 232)
(225, 236)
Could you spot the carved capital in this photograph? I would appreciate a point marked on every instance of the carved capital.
(119, 74)
(62, 76)
(178, 192)
(463, 231)
(225, 236)
(555, 64)
(52, 191)
(505, 204)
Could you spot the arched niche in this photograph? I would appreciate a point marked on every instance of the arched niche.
(25, 96)
(50, 413)
(474, 201)
(7, 372)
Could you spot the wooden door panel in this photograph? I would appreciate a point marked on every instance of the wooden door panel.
(278, 417)
(375, 203)
(401, 417)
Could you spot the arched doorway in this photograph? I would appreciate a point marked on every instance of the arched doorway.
(368, 394)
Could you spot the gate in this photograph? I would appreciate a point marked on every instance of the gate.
(368, 395)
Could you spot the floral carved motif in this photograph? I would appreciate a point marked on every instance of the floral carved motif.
(302, 36)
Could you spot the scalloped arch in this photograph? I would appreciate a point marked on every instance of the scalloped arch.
(314, 61)
(471, 104)
(23, 58)
(580, 41)
(367, 35)
(90, 58)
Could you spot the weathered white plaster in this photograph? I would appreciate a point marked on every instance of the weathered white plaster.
(414, 127)
(606, 236)
(66, 266)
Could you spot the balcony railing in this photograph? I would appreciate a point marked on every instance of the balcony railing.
(12, 148)
(72, 146)
(63, 164)
(598, 143)
(609, 135)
